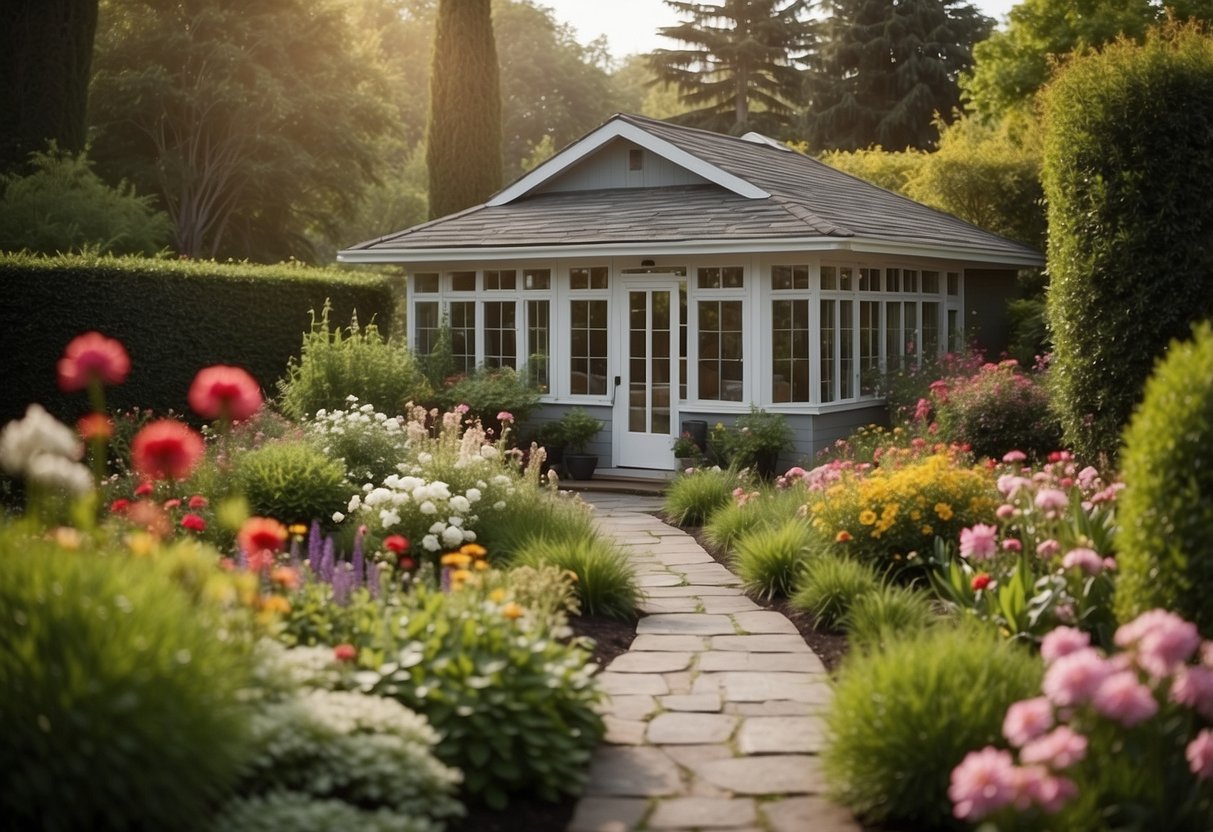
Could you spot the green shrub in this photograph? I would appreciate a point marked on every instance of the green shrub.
(757, 508)
(278, 810)
(755, 440)
(998, 410)
(691, 499)
(905, 715)
(369, 443)
(357, 361)
(119, 690)
(768, 559)
(888, 612)
(1126, 169)
(1166, 510)
(530, 513)
(606, 584)
(292, 481)
(829, 585)
(489, 391)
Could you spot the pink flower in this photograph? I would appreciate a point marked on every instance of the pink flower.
(1085, 559)
(979, 542)
(222, 392)
(90, 358)
(984, 782)
(1026, 720)
(1061, 748)
(1051, 501)
(1046, 790)
(1199, 755)
(1088, 478)
(95, 427)
(1193, 688)
(1009, 485)
(462, 409)
(166, 449)
(260, 538)
(345, 652)
(198, 501)
(1005, 511)
(1047, 548)
(505, 416)
(1012, 544)
(1011, 457)
(1122, 698)
(1062, 641)
(1074, 678)
(922, 410)
(1162, 639)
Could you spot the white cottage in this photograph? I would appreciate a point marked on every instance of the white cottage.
(654, 274)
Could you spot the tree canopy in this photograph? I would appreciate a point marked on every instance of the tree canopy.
(741, 67)
(884, 70)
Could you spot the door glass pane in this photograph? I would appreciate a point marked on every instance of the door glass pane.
(930, 329)
(500, 334)
(869, 347)
(790, 350)
(662, 383)
(893, 338)
(846, 351)
(638, 388)
(463, 334)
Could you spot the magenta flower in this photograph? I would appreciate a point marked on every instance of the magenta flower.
(1047, 548)
(1193, 688)
(505, 416)
(1005, 511)
(1087, 560)
(1012, 544)
(1011, 457)
(1199, 755)
(984, 782)
(1026, 720)
(979, 542)
(1162, 640)
(1062, 641)
(1046, 790)
(1122, 698)
(1009, 485)
(1074, 678)
(1061, 748)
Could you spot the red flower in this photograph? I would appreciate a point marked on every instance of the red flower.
(143, 489)
(120, 505)
(397, 543)
(92, 357)
(166, 449)
(173, 503)
(261, 538)
(345, 652)
(194, 523)
(95, 426)
(408, 564)
(198, 501)
(980, 581)
(222, 392)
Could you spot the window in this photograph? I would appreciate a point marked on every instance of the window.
(930, 283)
(538, 342)
(930, 329)
(463, 281)
(425, 284)
(500, 333)
(588, 347)
(499, 280)
(463, 334)
(426, 325)
(869, 347)
(789, 277)
(790, 342)
(729, 277)
(588, 278)
(537, 278)
(829, 340)
(720, 350)
(869, 280)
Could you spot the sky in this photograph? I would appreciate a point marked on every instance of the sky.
(631, 25)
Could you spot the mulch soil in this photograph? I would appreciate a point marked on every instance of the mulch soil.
(611, 638)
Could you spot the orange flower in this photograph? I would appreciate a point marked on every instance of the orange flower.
(166, 449)
(95, 426)
(90, 358)
(512, 611)
(222, 392)
(286, 577)
(473, 549)
(843, 536)
(456, 559)
(275, 603)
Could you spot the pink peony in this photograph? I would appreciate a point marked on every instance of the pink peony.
(1012, 544)
(92, 358)
(222, 392)
(1047, 548)
(1061, 748)
(1162, 640)
(505, 416)
(1051, 501)
(1074, 678)
(979, 542)
(1199, 755)
(1005, 511)
(1027, 720)
(1009, 485)
(1062, 641)
(1193, 688)
(1088, 560)
(984, 782)
(1046, 790)
(1123, 698)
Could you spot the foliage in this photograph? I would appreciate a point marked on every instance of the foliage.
(904, 715)
(752, 437)
(1168, 503)
(768, 559)
(1126, 156)
(525, 513)
(357, 361)
(120, 689)
(752, 507)
(829, 585)
(886, 613)
(463, 139)
(577, 428)
(606, 583)
(890, 169)
(204, 314)
(907, 389)
(696, 495)
(278, 810)
(369, 443)
(490, 391)
(890, 516)
(739, 67)
(61, 205)
(883, 71)
(292, 481)
(996, 411)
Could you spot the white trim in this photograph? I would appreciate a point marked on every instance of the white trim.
(617, 128)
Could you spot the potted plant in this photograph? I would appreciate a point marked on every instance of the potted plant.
(551, 438)
(755, 441)
(687, 451)
(577, 428)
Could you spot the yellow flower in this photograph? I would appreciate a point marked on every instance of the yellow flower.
(460, 575)
(473, 549)
(928, 530)
(497, 595)
(275, 603)
(943, 511)
(482, 565)
(867, 517)
(513, 611)
(141, 544)
(457, 559)
(68, 538)
(297, 529)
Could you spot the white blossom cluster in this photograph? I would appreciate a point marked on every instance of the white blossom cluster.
(451, 512)
(45, 451)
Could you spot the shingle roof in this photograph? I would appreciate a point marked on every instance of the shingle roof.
(808, 199)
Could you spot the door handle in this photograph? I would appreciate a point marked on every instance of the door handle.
(618, 381)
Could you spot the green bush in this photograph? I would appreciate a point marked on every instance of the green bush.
(888, 612)
(606, 584)
(63, 206)
(1126, 169)
(120, 690)
(691, 499)
(292, 481)
(905, 715)
(829, 585)
(279, 810)
(768, 559)
(174, 317)
(369, 443)
(998, 410)
(528, 514)
(357, 361)
(760, 507)
(1166, 510)
(489, 391)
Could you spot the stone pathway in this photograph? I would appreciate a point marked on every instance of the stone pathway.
(713, 721)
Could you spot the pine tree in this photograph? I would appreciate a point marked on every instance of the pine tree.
(463, 151)
(886, 67)
(740, 69)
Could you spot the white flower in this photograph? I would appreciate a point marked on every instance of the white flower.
(321, 413)
(355, 504)
(455, 520)
(430, 543)
(428, 508)
(367, 408)
(379, 495)
(425, 458)
(453, 536)
(37, 433)
(440, 490)
(499, 505)
(351, 398)
(460, 504)
(473, 495)
(389, 518)
(501, 479)
(338, 516)
(481, 484)
(59, 473)
(408, 483)
(438, 528)
(488, 452)
(469, 535)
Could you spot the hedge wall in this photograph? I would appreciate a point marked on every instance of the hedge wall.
(174, 317)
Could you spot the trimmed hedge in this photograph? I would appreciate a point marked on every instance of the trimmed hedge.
(1126, 175)
(174, 317)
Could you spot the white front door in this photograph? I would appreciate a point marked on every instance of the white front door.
(646, 400)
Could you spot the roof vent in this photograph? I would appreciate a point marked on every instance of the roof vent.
(758, 138)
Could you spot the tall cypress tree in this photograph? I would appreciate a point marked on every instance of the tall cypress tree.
(885, 68)
(46, 54)
(463, 151)
(740, 67)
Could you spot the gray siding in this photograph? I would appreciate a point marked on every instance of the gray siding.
(610, 168)
(601, 444)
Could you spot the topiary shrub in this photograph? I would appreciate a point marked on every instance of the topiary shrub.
(691, 499)
(768, 558)
(120, 690)
(1166, 510)
(904, 715)
(829, 585)
(292, 481)
(1126, 169)
(999, 409)
(606, 584)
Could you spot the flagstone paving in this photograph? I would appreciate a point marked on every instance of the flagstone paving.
(714, 713)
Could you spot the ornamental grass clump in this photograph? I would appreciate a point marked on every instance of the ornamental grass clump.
(905, 714)
(888, 612)
(605, 581)
(829, 585)
(695, 496)
(752, 507)
(768, 558)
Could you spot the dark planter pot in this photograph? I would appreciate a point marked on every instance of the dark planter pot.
(554, 459)
(580, 466)
(766, 463)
